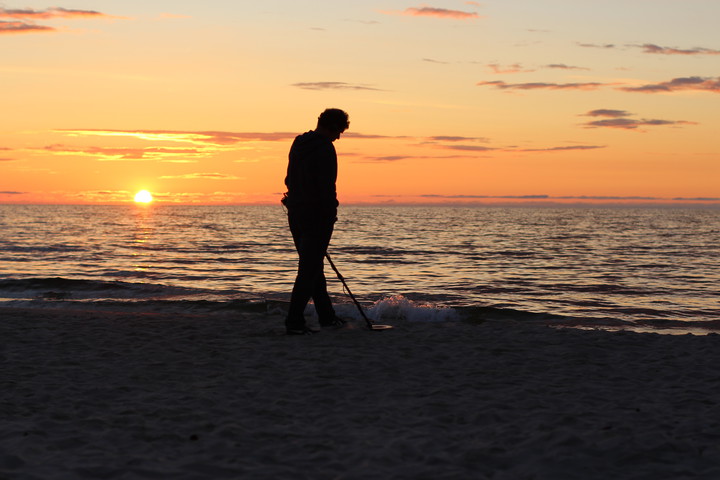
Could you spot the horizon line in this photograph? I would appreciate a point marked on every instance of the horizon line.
(700, 203)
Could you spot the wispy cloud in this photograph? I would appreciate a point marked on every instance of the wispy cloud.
(5, 159)
(605, 112)
(193, 137)
(543, 85)
(435, 12)
(54, 12)
(197, 145)
(430, 60)
(560, 149)
(704, 84)
(632, 123)
(22, 27)
(108, 154)
(620, 119)
(12, 192)
(204, 176)
(658, 50)
(390, 158)
(469, 148)
(482, 148)
(514, 68)
(333, 86)
(455, 138)
(470, 145)
(371, 136)
(651, 48)
(562, 66)
(395, 158)
(606, 46)
(23, 20)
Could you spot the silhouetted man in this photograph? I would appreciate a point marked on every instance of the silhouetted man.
(312, 204)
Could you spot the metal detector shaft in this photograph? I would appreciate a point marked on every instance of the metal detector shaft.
(357, 304)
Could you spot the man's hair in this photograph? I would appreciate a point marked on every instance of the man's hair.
(334, 119)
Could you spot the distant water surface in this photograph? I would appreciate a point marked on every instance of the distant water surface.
(647, 265)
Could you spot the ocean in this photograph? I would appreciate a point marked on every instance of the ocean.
(655, 269)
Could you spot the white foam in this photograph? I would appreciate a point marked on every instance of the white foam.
(399, 307)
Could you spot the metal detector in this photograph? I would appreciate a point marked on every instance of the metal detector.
(370, 324)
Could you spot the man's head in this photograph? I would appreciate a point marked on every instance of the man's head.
(333, 122)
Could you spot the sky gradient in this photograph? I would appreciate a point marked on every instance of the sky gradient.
(498, 101)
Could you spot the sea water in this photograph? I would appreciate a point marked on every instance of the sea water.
(585, 265)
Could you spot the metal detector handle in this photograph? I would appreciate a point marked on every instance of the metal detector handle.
(357, 304)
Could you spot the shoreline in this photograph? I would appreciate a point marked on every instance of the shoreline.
(98, 394)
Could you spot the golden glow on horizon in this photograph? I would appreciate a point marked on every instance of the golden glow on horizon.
(143, 196)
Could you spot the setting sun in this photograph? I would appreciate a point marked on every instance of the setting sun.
(143, 196)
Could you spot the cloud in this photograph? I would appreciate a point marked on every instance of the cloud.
(560, 149)
(514, 68)
(54, 12)
(395, 158)
(194, 137)
(430, 60)
(543, 85)
(205, 176)
(370, 136)
(475, 151)
(23, 19)
(562, 66)
(11, 192)
(452, 142)
(604, 112)
(480, 148)
(392, 158)
(607, 46)
(469, 148)
(658, 50)
(109, 154)
(450, 138)
(705, 84)
(22, 27)
(698, 199)
(436, 12)
(619, 119)
(332, 86)
(632, 124)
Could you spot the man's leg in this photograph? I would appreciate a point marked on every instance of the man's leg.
(311, 238)
(321, 299)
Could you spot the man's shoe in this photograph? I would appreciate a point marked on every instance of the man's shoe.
(300, 331)
(335, 321)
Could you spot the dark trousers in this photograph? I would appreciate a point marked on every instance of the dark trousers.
(311, 233)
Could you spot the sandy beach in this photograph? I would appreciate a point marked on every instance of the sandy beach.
(133, 395)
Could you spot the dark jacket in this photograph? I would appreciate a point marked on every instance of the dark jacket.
(311, 174)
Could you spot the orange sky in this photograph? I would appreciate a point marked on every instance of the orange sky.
(494, 101)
